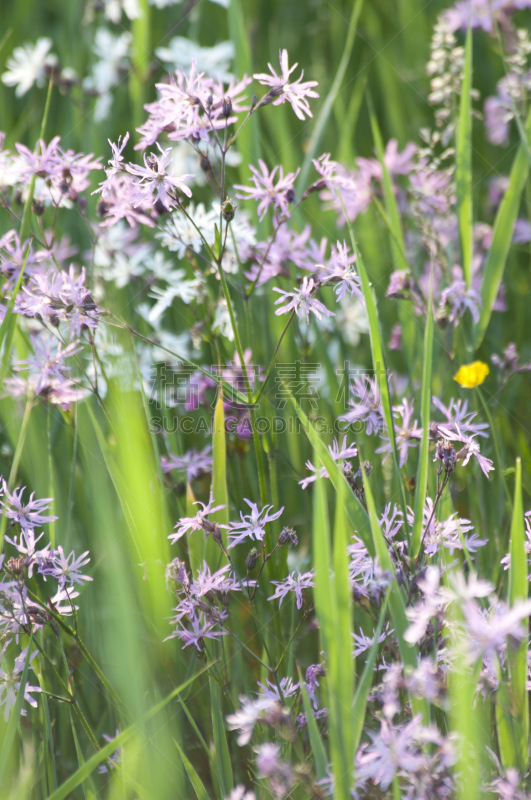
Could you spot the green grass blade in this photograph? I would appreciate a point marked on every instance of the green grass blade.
(355, 511)
(88, 786)
(463, 172)
(89, 766)
(221, 755)
(378, 358)
(502, 237)
(316, 743)
(344, 606)
(195, 780)
(327, 614)
(15, 714)
(517, 660)
(367, 676)
(398, 244)
(424, 455)
(320, 125)
(219, 479)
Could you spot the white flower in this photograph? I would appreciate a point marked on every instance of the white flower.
(352, 320)
(27, 65)
(222, 323)
(214, 61)
(113, 10)
(179, 234)
(112, 52)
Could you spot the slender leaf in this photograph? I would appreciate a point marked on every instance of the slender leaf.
(320, 125)
(327, 613)
(316, 743)
(15, 714)
(378, 358)
(89, 766)
(463, 172)
(222, 754)
(195, 780)
(355, 511)
(502, 237)
(425, 399)
(362, 692)
(517, 660)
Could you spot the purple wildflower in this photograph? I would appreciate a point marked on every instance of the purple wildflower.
(293, 583)
(192, 464)
(244, 720)
(265, 191)
(368, 409)
(30, 515)
(252, 525)
(155, 182)
(66, 569)
(10, 683)
(302, 302)
(196, 523)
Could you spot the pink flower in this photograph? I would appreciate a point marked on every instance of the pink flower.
(252, 525)
(293, 583)
(302, 302)
(265, 190)
(196, 523)
(155, 182)
(282, 90)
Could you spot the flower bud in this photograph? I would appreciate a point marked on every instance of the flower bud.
(38, 208)
(252, 558)
(228, 210)
(227, 107)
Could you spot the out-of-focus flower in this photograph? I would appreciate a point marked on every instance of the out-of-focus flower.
(29, 65)
(470, 375)
(251, 712)
(113, 54)
(192, 464)
(10, 683)
(214, 61)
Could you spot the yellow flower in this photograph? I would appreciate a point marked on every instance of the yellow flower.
(470, 375)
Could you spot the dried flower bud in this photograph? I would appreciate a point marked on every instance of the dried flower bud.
(228, 209)
(252, 558)
(16, 566)
(254, 101)
(289, 537)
